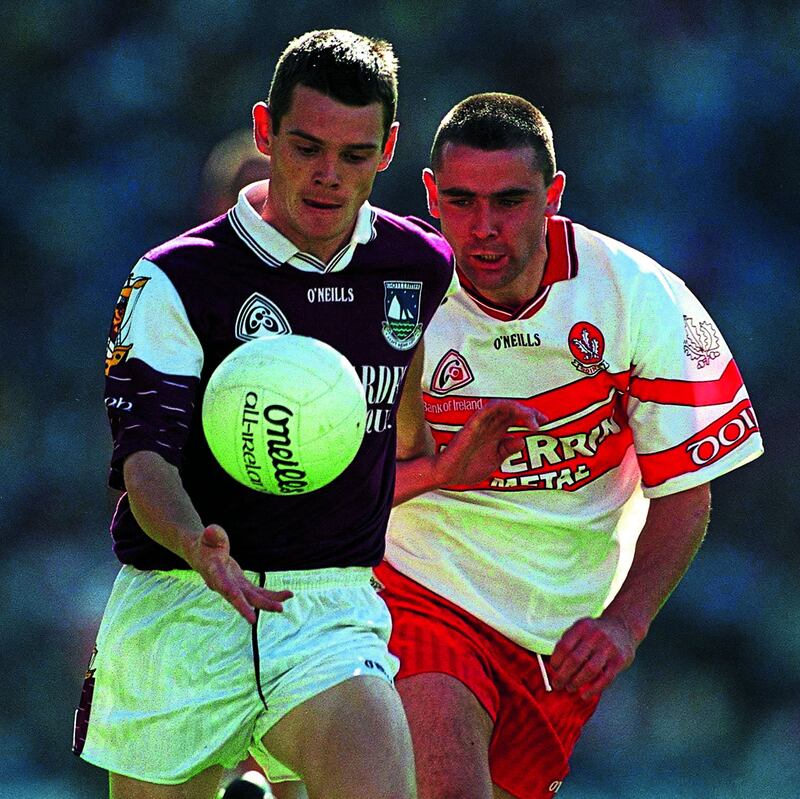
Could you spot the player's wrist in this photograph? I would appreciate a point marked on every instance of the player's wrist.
(443, 471)
(420, 474)
(191, 548)
(635, 624)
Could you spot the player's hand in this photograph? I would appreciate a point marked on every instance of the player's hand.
(483, 443)
(590, 655)
(211, 557)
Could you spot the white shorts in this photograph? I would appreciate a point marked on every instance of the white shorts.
(179, 681)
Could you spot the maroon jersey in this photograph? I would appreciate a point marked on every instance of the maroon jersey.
(190, 302)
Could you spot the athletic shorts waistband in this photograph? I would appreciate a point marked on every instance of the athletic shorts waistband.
(307, 579)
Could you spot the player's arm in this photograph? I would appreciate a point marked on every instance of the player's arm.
(164, 511)
(154, 360)
(414, 439)
(593, 652)
(473, 453)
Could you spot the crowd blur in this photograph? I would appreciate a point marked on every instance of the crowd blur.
(677, 125)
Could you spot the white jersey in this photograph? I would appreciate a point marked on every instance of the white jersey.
(643, 400)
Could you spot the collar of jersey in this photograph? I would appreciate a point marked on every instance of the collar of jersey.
(274, 249)
(561, 264)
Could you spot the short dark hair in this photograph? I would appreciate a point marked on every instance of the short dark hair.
(497, 121)
(350, 68)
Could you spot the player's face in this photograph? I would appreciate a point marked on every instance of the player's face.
(492, 207)
(324, 161)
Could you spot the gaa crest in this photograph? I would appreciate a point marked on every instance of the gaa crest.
(401, 307)
(118, 346)
(587, 345)
(260, 317)
(452, 372)
(701, 343)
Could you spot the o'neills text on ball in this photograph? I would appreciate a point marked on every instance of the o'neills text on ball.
(290, 478)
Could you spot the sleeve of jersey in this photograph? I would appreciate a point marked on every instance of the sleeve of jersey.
(153, 364)
(689, 411)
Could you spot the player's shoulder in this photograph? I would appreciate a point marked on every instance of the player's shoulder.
(620, 264)
(409, 234)
(193, 247)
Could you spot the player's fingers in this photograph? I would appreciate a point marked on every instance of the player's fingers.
(514, 412)
(538, 417)
(589, 671)
(530, 418)
(236, 596)
(564, 674)
(497, 420)
(571, 638)
(488, 424)
(484, 417)
(264, 599)
(510, 446)
(597, 685)
(569, 656)
(594, 690)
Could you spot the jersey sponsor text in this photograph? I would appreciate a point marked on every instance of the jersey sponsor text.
(381, 385)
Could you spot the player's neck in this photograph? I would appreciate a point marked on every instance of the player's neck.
(322, 249)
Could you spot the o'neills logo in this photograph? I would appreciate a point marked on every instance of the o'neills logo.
(290, 478)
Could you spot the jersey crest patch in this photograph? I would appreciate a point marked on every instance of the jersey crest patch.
(117, 346)
(260, 317)
(701, 343)
(451, 372)
(401, 307)
(587, 345)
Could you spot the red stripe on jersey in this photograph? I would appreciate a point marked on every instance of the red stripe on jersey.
(561, 264)
(706, 447)
(558, 403)
(562, 257)
(564, 458)
(689, 392)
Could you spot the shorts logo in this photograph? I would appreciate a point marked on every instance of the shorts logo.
(401, 306)
(260, 317)
(587, 345)
(701, 343)
(452, 372)
(373, 664)
(117, 346)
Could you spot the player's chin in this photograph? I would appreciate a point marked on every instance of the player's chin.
(326, 229)
(485, 281)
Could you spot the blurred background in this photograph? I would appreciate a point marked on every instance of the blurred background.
(677, 125)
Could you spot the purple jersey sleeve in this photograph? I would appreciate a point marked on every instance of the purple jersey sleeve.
(153, 363)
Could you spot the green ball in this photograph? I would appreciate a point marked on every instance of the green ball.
(284, 414)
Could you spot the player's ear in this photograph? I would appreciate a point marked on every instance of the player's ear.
(554, 193)
(388, 148)
(262, 127)
(432, 191)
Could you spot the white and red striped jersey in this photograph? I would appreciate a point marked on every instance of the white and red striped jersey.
(643, 400)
